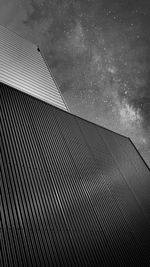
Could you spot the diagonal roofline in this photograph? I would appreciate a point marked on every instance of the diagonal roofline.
(24, 68)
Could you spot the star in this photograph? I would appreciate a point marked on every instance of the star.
(98, 52)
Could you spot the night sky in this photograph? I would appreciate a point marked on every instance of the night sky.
(99, 53)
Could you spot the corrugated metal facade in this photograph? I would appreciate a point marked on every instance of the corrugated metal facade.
(22, 67)
(72, 193)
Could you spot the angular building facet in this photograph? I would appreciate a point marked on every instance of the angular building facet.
(72, 193)
(23, 68)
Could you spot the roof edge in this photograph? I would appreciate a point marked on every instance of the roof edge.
(51, 73)
(139, 153)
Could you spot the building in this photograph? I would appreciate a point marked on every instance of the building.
(72, 193)
(23, 68)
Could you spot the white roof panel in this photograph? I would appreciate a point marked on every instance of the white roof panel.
(22, 67)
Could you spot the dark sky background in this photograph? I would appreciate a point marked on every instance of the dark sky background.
(99, 53)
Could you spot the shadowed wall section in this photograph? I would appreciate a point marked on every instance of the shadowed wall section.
(72, 193)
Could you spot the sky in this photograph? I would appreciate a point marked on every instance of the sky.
(99, 54)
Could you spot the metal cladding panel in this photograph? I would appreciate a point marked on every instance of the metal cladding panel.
(66, 197)
(22, 67)
(132, 168)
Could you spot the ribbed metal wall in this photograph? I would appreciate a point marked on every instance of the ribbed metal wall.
(72, 193)
(22, 67)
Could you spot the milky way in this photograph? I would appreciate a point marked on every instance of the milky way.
(99, 52)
